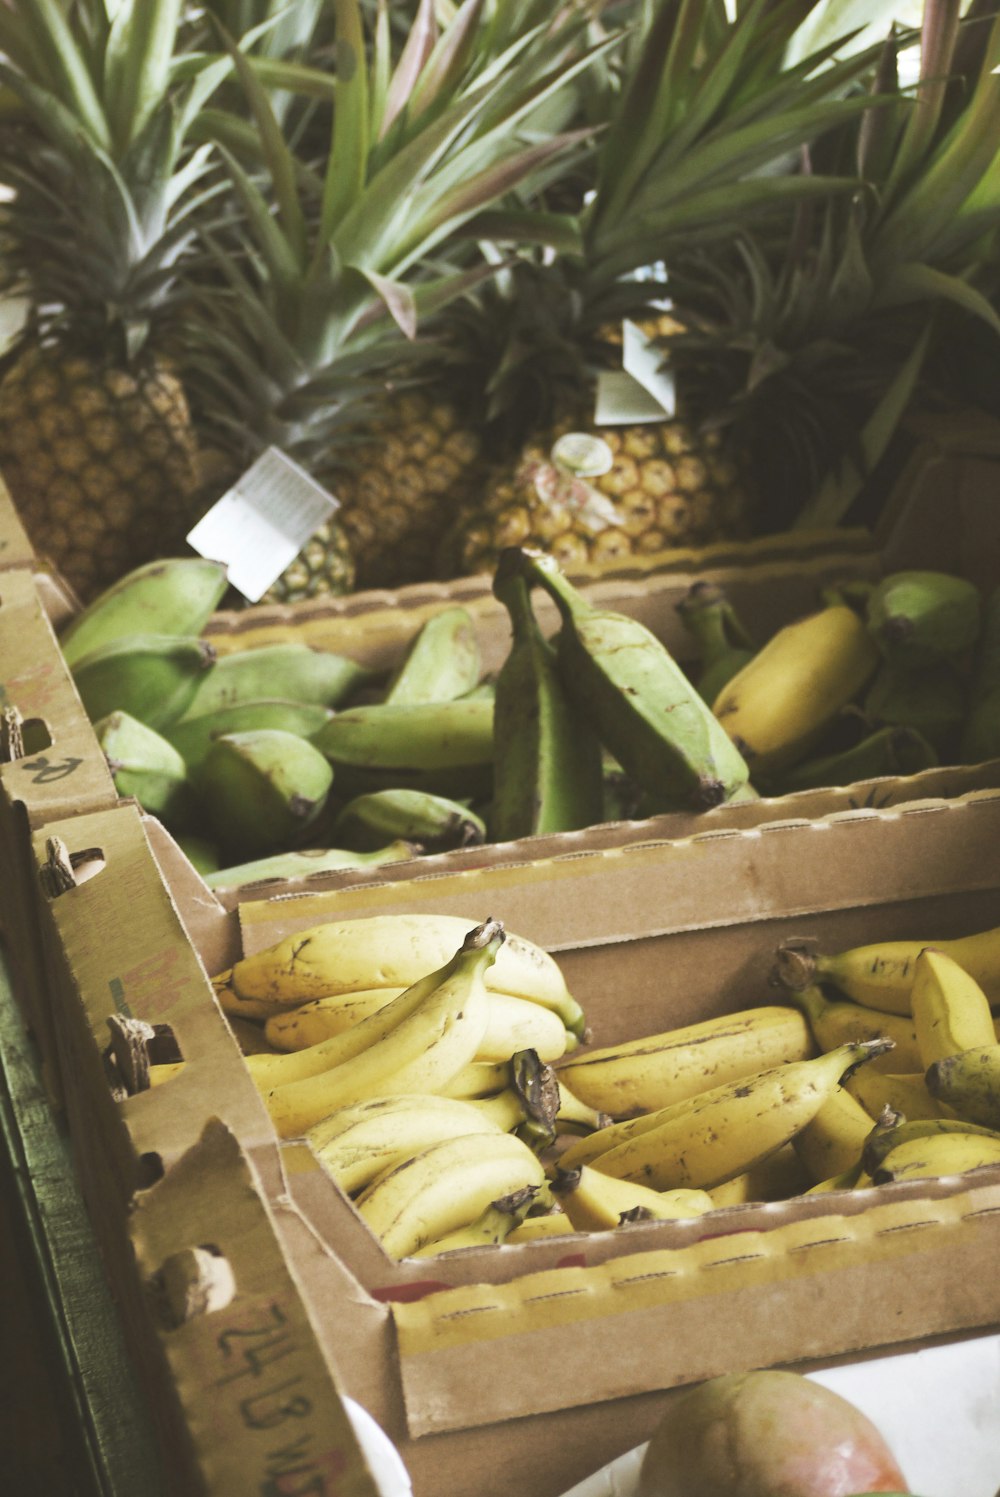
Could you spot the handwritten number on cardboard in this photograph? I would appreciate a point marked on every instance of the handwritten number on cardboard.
(43, 771)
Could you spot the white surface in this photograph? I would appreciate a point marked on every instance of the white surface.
(383, 1458)
(938, 1408)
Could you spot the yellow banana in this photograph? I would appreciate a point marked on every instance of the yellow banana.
(645, 1074)
(576, 1116)
(777, 707)
(882, 1141)
(836, 1022)
(344, 956)
(881, 974)
(367, 1138)
(730, 1128)
(833, 1141)
(250, 1037)
(445, 1187)
(776, 1178)
(282, 1067)
(950, 1010)
(492, 1226)
(937, 1154)
(426, 1047)
(854, 1178)
(969, 1084)
(905, 1093)
(596, 1203)
(544, 1224)
(513, 1023)
(480, 1078)
(318, 1020)
(361, 1140)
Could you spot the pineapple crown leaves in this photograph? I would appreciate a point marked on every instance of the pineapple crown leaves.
(99, 143)
(350, 239)
(709, 116)
(941, 193)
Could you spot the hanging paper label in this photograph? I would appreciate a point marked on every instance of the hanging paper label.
(641, 391)
(260, 525)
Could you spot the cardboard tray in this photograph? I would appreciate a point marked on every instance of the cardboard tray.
(532, 1365)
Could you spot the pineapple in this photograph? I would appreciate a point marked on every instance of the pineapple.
(96, 442)
(650, 487)
(706, 103)
(418, 462)
(315, 339)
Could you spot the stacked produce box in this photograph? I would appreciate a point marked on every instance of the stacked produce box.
(504, 997)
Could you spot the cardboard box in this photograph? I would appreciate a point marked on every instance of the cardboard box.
(530, 1366)
(51, 767)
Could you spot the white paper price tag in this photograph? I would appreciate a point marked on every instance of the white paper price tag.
(260, 525)
(640, 391)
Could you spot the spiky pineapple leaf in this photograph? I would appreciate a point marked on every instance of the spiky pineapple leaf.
(919, 282)
(828, 507)
(939, 35)
(347, 163)
(137, 57)
(448, 61)
(280, 165)
(420, 41)
(50, 52)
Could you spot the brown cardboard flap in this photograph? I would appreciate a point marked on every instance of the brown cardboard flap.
(644, 889)
(948, 782)
(752, 1299)
(124, 943)
(70, 773)
(261, 1406)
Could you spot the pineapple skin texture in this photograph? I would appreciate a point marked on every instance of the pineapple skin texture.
(399, 485)
(102, 462)
(416, 466)
(667, 487)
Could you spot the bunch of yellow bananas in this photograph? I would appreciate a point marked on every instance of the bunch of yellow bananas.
(935, 1098)
(416, 1056)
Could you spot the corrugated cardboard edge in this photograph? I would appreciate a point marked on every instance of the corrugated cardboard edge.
(493, 1352)
(68, 774)
(261, 1409)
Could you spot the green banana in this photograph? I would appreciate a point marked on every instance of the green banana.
(145, 767)
(724, 646)
(621, 798)
(918, 617)
(443, 660)
(887, 751)
(177, 595)
(302, 863)
(442, 747)
(547, 770)
(201, 852)
(433, 822)
(194, 736)
(931, 700)
(290, 669)
(644, 709)
(152, 677)
(981, 731)
(262, 790)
